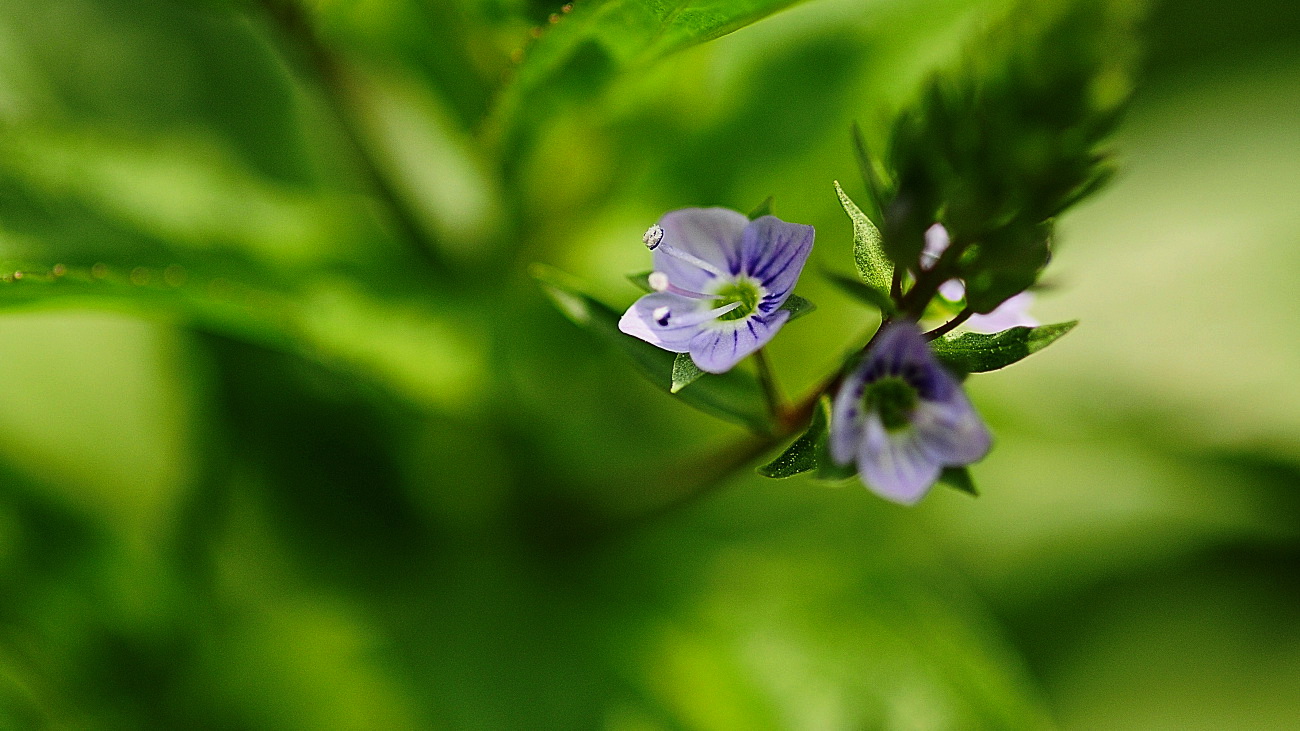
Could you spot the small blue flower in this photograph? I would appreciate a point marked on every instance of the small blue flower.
(904, 418)
(720, 280)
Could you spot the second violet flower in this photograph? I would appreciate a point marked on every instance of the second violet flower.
(903, 418)
(720, 281)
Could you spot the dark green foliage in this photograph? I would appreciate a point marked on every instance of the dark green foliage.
(803, 455)
(999, 146)
(959, 479)
(980, 353)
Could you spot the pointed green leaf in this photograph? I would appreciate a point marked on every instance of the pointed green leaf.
(685, 372)
(873, 265)
(862, 292)
(871, 178)
(735, 396)
(979, 353)
(802, 455)
(798, 307)
(763, 209)
(958, 478)
(810, 452)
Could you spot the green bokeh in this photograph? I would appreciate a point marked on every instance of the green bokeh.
(295, 441)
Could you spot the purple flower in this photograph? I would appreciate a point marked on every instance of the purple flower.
(904, 418)
(720, 281)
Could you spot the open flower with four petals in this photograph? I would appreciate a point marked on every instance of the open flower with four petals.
(903, 418)
(720, 281)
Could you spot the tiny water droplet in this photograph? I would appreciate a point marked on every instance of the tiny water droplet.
(18, 275)
(99, 271)
(567, 8)
(139, 276)
(555, 18)
(535, 31)
(59, 270)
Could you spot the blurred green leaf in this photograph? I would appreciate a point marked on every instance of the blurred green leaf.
(873, 265)
(685, 372)
(871, 177)
(735, 396)
(578, 55)
(641, 280)
(861, 291)
(1001, 144)
(979, 353)
(763, 209)
(958, 478)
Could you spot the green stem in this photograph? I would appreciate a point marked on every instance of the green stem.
(767, 378)
(714, 471)
(948, 326)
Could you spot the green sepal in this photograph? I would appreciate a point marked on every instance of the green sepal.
(979, 353)
(868, 251)
(958, 478)
(763, 209)
(798, 307)
(641, 280)
(862, 292)
(735, 395)
(685, 372)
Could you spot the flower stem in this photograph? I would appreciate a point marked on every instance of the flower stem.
(716, 470)
(767, 378)
(948, 326)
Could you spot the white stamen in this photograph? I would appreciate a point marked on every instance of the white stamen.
(653, 236)
(658, 281)
(660, 315)
(692, 260)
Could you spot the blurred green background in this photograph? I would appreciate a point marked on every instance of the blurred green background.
(290, 440)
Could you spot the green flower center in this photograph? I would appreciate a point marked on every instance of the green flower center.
(893, 398)
(746, 292)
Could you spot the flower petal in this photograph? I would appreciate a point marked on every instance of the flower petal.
(898, 351)
(724, 343)
(773, 252)
(951, 431)
(846, 417)
(895, 466)
(1012, 313)
(936, 242)
(685, 320)
(711, 234)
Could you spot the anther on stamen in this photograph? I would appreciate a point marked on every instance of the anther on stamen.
(653, 237)
(661, 315)
(658, 281)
